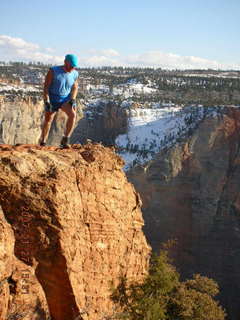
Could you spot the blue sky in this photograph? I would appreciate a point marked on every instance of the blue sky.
(166, 33)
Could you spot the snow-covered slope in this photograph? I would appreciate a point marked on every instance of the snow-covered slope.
(130, 89)
(151, 130)
(5, 87)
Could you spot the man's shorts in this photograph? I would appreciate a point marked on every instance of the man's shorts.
(54, 106)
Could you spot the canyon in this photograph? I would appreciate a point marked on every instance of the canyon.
(191, 194)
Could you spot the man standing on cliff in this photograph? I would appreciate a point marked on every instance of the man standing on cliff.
(60, 92)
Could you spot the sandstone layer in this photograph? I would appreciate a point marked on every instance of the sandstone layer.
(21, 119)
(17, 301)
(192, 193)
(77, 225)
(102, 123)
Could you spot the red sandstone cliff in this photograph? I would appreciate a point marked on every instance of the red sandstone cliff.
(192, 193)
(76, 223)
(21, 295)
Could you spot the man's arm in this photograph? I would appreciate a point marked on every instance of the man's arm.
(47, 83)
(74, 90)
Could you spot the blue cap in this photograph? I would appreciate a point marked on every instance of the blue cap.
(72, 59)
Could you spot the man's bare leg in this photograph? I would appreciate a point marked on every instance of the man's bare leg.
(71, 118)
(46, 125)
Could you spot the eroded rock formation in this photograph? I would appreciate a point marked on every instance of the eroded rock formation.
(21, 119)
(102, 123)
(21, 296)
(192, 193)
(77, 226)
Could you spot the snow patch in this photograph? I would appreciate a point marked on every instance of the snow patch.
(151, 130)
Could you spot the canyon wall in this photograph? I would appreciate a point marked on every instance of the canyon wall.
(102, 123)
(191, 193)
(17, 301)
(21, 118)
(77, 227)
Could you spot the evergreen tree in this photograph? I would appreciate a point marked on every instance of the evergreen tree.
(162, 296)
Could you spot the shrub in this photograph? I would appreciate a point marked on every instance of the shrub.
(163, 296)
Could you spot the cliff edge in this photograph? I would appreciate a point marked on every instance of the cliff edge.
(77, 227)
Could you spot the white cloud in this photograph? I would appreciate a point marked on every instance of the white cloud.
(110, 53)
(172, 61)
(17, 43)
(105, 52)
(153, 59)
(17, 49)
(99, 60)
(50, 50)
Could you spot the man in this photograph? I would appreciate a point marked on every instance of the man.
(60, 92)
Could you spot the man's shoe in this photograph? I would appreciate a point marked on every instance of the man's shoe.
(42, 144)
(64, 143)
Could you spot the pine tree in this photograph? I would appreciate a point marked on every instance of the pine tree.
(162, 296)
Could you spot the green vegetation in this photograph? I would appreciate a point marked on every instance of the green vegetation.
(162, 296)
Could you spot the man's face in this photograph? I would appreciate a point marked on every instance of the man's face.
(68, 65)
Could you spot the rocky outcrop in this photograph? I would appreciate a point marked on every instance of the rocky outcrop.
(21, 118)
(77, 226)
(102, 123)
(21, 296)
(192, 193)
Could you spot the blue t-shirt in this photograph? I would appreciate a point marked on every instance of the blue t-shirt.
(61, 86)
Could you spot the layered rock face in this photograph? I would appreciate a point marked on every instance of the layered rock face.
(102, 124)
(21, 119)
(17, 300)
(192, 193)
(77, 226)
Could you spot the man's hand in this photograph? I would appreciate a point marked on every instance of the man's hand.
(73, 103)
(48, 106)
